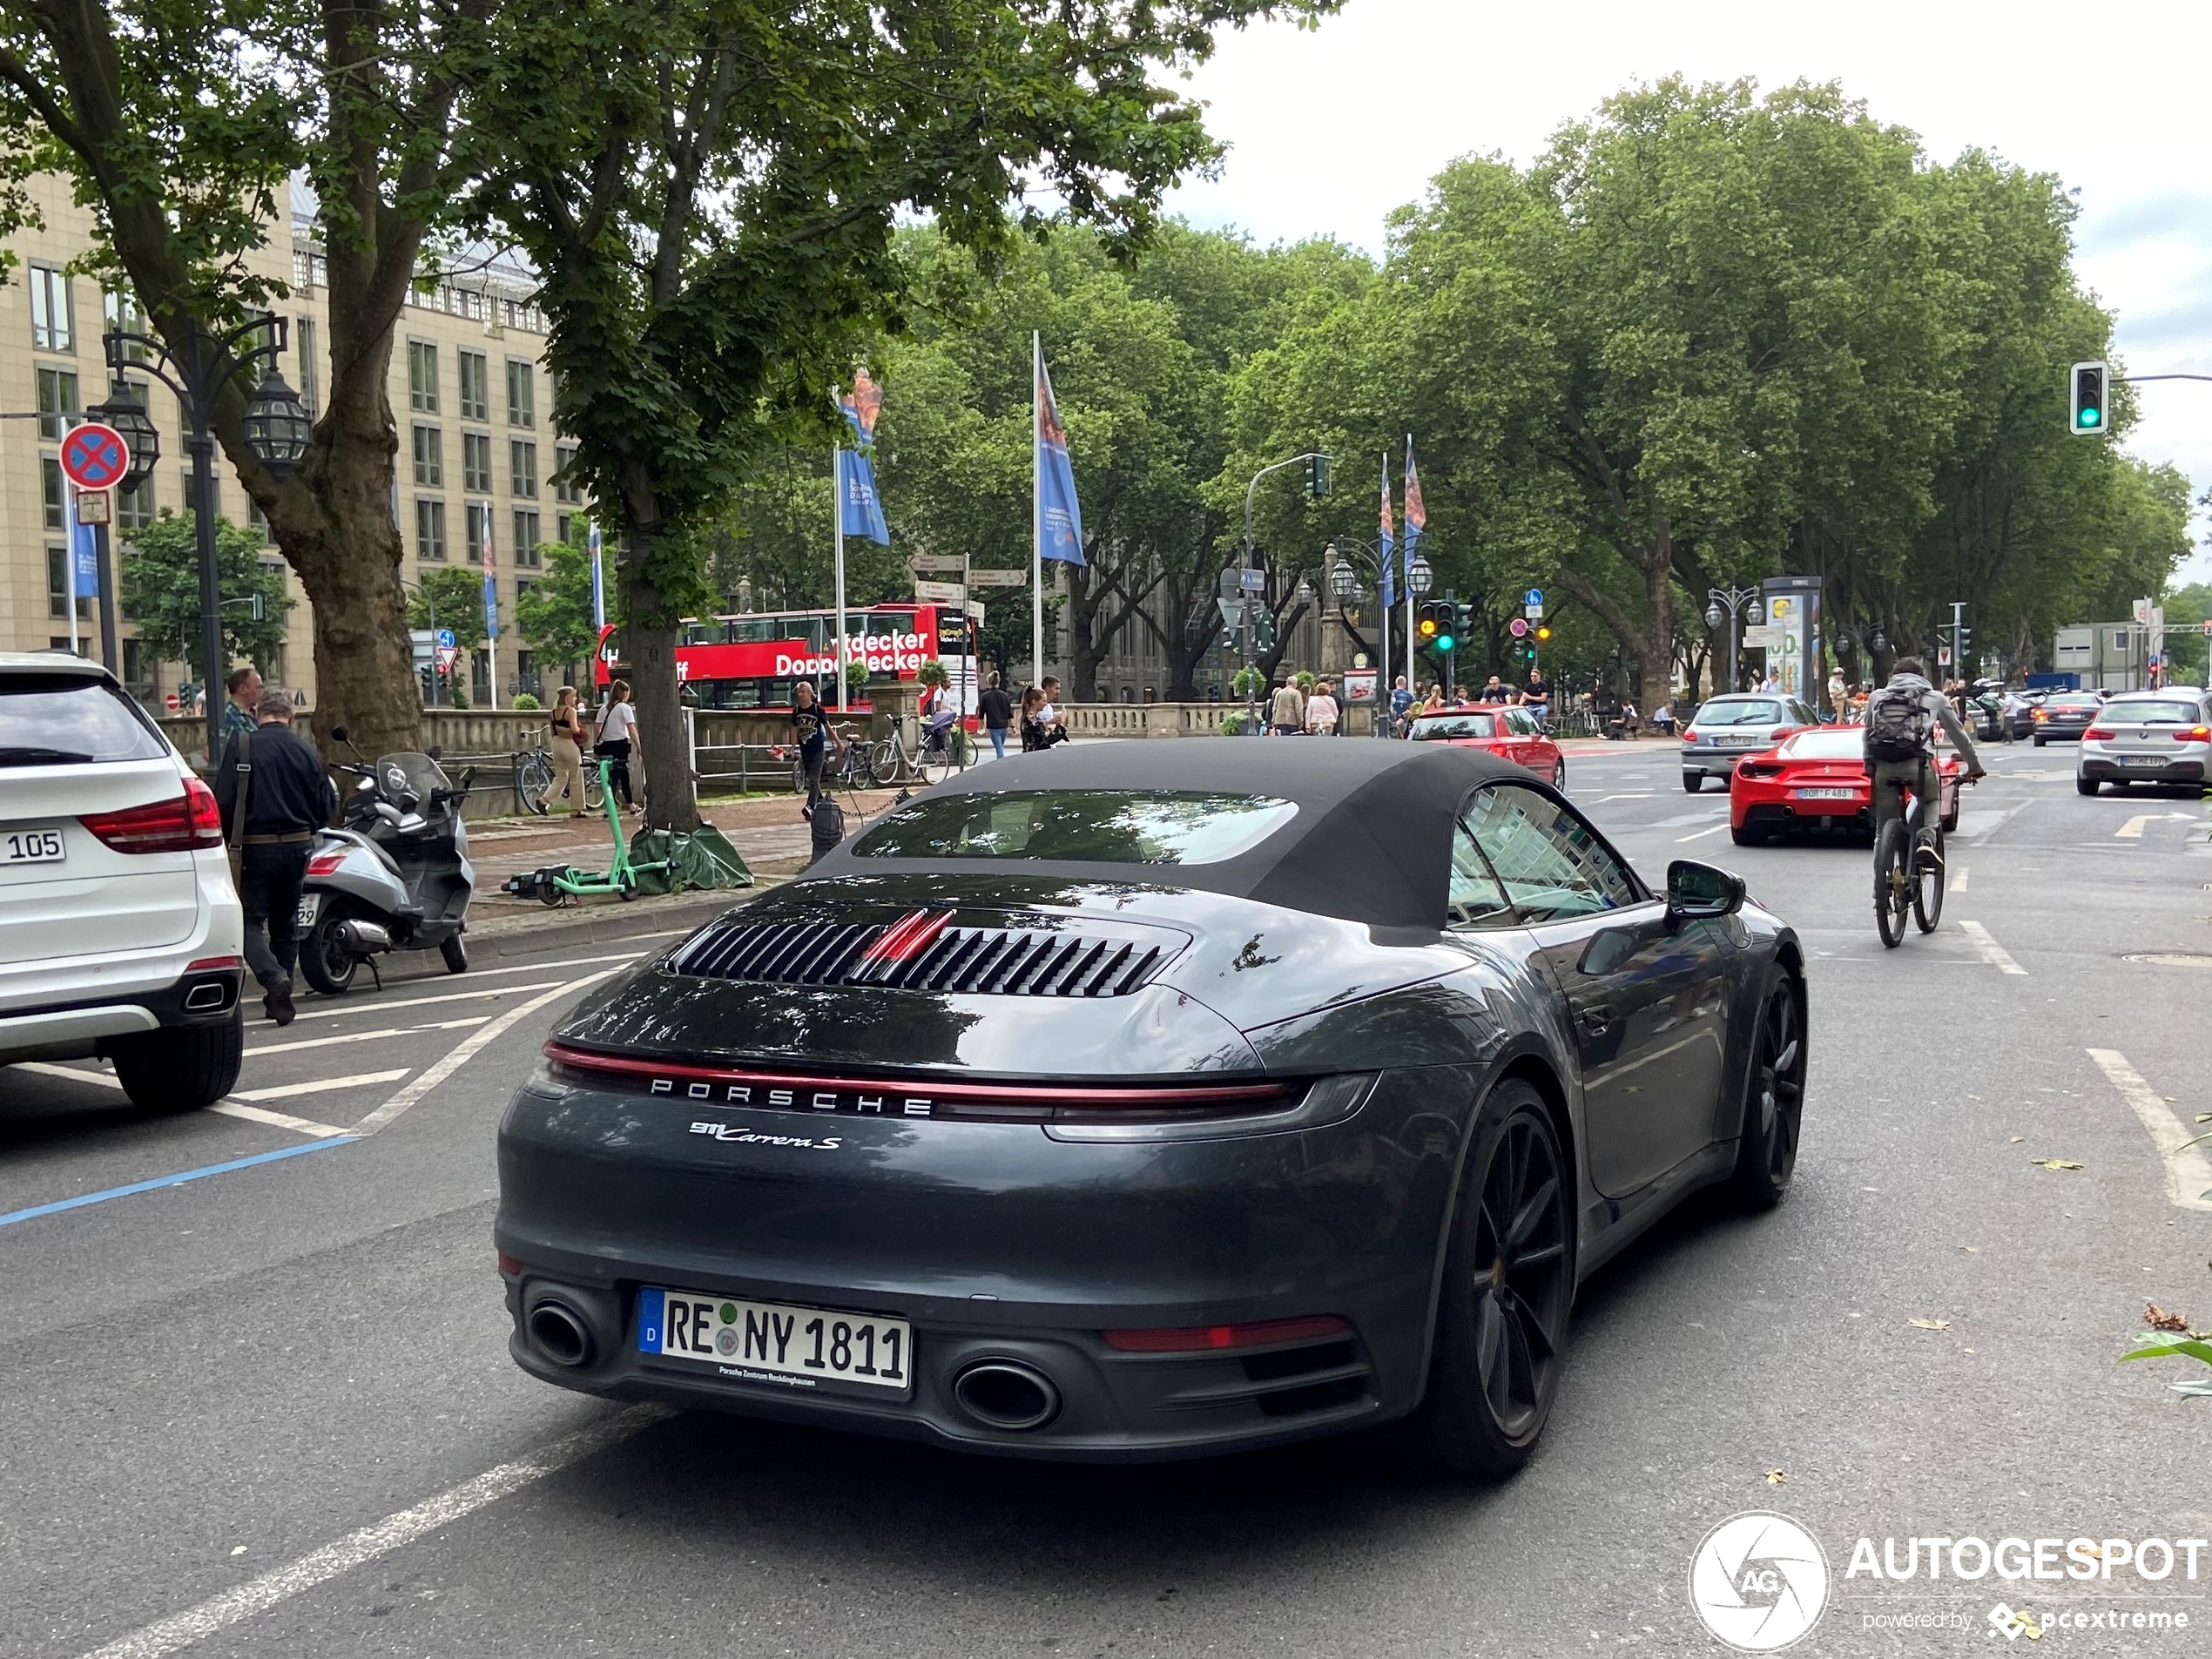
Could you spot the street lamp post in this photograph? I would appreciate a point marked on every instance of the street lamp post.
(277, 430)
(1347, 584)
(1728, 602)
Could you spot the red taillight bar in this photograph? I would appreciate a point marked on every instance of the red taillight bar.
(902, 941)
(632, 1066)
(208, 964)
(1203, 1338)
(2099, 733)
(184, 823)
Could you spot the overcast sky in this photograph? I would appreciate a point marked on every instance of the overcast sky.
(1330, 130)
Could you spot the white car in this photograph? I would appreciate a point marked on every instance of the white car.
(121, 933)
(2147, 738)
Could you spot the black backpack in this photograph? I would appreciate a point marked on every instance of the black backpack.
(1898, 726)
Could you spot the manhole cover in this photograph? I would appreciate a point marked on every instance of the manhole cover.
(2170, 959)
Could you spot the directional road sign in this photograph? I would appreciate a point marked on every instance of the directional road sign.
(1533, 597)
(1253, 581)
(445, 639)
(937, 593)
(936, 565)
(1517, 628)
(997, 578)
(95, 456)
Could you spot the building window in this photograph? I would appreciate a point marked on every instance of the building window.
(53, 311)
(49, 475)
(258, 520)
(57, 399)
(476, 462)
(475, 385)
(429, 457)
(526, 556)
(564, 487)
(57, 585)
(521, 394)
(134, 508)
(430, 530)
(125, 315)
(479, 533)
(303, 336)
(522, 468)
(564, 526)
(422, 376)
(134, 663)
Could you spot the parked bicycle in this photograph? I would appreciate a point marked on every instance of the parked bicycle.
(942, 748)
(534, 781)
(851, 768)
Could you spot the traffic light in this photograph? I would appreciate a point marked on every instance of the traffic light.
(1263, 628)
(1434, 622)
(1463, 622)
(1317, 476)
(1543, 634)
(1966, 638)
(2091, 417)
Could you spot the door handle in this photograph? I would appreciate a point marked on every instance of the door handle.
(1594, 1021)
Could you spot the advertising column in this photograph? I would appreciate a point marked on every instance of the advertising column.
(1793, 623)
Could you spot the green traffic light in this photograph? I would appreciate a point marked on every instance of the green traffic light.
(1443, 642)
(2091, 417)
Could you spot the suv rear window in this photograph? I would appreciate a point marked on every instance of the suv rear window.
(63, 720)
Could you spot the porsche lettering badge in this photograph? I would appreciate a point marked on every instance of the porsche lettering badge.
(852, 1100)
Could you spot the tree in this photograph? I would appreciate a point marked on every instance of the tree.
(182, 125)
(710, 190)
(158, 580)
(556, 614)
(454, 597)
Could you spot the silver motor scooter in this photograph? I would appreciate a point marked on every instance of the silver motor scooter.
(393, 875)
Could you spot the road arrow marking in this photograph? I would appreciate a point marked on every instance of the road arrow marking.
(2133, 829)
(2189, 1175)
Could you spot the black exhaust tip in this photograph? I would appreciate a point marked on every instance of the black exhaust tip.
(1006, 1394)
(558, 1332)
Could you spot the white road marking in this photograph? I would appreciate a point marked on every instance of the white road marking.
(369, 1036)
(1958, 879)
(376, 1540)
(462, 1052)
(533, 968)
(319, 1085)
(2188, 1174)
(1993, 952)
(275, 1120)
(75, 1075)
(334, 1009)
(1701, 834)
(1680, 818)
(2133, 829)
(1634, 794)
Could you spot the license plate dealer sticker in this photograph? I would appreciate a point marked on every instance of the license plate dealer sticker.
(774, 1342)
(1826, 794)
(32, 846)
(308, 904)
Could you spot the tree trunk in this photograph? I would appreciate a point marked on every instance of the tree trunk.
(650, 646)
(1654, 645)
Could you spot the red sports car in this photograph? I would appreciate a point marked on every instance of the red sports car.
(1508, 732)
(1816, 779)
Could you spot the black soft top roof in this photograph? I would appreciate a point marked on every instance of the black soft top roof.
(1371, 843)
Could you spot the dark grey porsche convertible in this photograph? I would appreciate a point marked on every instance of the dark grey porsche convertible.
(1151, 1099)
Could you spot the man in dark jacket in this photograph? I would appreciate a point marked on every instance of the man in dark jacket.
(288, 796)
(997, 710)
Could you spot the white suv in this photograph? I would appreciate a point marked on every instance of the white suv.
(2147, 738)
(121, 933)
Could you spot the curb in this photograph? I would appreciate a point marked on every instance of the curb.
(604, 924)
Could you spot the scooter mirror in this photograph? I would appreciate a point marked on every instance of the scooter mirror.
(338, 734)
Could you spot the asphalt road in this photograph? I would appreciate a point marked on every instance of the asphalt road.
(269, 1411)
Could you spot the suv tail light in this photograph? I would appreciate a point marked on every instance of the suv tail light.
(185, 824)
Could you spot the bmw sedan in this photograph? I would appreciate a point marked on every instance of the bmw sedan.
(1150, 1100)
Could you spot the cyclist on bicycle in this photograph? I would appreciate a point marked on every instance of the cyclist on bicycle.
(1901, 722)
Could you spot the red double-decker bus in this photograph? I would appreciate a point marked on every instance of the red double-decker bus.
(752, 661)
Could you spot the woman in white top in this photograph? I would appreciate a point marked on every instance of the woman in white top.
(619, 740)
(1321, 715)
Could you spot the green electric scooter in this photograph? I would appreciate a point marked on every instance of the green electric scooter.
(557, 883)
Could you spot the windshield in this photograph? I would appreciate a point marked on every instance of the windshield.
(61, 720)
(1757, 713)
(1454, 726)
(1078, 827)
(2178, 713)
(1838, 742)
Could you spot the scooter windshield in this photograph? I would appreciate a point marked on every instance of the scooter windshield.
(415, 774)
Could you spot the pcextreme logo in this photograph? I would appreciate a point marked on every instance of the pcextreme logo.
(1759, 1581)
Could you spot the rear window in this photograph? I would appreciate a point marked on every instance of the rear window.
(1837, 743)
(2077, 700)
(2174, 713)
(1078, 827)
(63, 720)
(1742, 714)
(1452, 726)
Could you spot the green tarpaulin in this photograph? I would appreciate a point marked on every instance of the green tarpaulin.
(703, 860)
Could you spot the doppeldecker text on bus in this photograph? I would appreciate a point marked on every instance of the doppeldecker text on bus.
(883, 653)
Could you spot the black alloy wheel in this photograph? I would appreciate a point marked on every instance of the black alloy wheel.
(1508, 1285)
(1774, 1099)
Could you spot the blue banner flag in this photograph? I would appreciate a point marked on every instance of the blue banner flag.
(1389, 582)
(856, 488)
(860, 407)
(1416, 509)
(598, 581)
(1060, 520)
(491, 606)
(84, 558)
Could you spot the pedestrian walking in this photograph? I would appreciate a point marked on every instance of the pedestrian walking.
(566, 745)
(1287, 715)
(1322, 714)
(274, 795)
(810, 724)
(1401, 705)
(617, 741)
(245, 688)
(997, 710)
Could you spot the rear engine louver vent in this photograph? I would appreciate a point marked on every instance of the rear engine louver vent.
(992, 962)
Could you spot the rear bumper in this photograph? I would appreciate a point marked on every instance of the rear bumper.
(2106, 767)
(997, 1243)
(73, 1029)
(1714, 763)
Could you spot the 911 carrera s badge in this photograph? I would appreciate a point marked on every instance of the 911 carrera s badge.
(753, 1137)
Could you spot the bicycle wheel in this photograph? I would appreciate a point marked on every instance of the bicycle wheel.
(936, 763)
(594, 794)
(882, 760)
(1927, 887)
(1891, 898)
(533, 776)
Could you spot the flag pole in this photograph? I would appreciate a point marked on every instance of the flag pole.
(837, 649)
(1036, 507)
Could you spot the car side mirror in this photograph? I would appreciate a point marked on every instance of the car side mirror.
(1700, 892)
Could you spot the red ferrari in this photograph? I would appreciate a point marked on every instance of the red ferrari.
(1510, 733)
(1816, 779)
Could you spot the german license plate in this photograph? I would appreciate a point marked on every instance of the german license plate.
(2142, 760)
(32, 846)
(309, 903)
(775, 1342)
(1826, 794)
